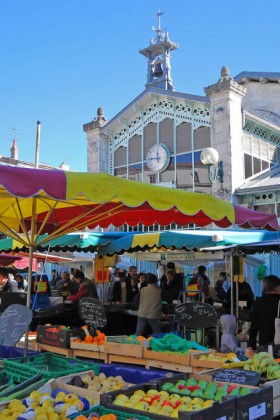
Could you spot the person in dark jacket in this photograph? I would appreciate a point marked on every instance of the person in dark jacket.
(86, 288)
(178, 277)
(134, 289)
(264, 313)
(170, 288)
(66, 286)
(245, 294)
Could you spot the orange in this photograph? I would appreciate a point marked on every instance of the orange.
(140, 338)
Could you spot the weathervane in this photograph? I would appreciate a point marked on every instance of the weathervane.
(158, 29)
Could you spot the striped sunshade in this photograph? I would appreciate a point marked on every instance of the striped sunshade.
(76, 241)
(58, 202)
(188, 240)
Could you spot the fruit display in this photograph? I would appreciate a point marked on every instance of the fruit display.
(200, 388)
(97, 339)
(261, 362)
(99, 383)
(96, 416)
(175, 344)
(213, 357)
(57, 405)
(161, 402)
(128, 339)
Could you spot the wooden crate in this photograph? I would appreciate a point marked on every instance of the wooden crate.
(152, 363)
(179, 359)
(32, 343)
(88, 354)
(57, 350)
(126, 359)
(63, 382)
(114, 345)
(209, 364)
(86, 346)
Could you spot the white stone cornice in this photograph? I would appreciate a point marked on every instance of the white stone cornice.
(225, 85)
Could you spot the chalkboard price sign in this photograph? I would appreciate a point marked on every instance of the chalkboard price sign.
(196, 315)
(92, 312)
(14, 322)
(238, 376)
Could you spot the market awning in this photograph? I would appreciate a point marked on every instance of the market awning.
(77, 241)
(260, 247)
(189, 240)
(7, 259)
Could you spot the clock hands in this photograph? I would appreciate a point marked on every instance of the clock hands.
(154, 158)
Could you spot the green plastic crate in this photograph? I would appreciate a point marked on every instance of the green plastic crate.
(16, 375)
(100, 410)
(50, 365)
(3, 377)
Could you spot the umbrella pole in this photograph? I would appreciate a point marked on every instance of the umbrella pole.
(231, 285)
(32, 233)
(103, 286)
(28, 299)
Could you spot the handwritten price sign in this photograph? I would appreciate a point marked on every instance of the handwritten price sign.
(196, 315)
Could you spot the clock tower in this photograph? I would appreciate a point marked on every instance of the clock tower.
(158, 57)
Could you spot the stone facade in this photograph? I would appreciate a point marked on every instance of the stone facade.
(239, 117)
(226, 130)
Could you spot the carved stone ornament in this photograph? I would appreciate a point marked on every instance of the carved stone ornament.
(220, 113)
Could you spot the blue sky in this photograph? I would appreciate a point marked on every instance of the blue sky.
(62, 59)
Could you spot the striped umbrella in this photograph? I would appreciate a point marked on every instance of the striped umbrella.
(38, 201)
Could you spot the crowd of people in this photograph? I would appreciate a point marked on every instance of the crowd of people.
(155, 296)
(149, 294)
(72, 286)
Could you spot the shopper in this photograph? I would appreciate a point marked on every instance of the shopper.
(150, 308)
(178, 277)
(170, 290)
(7, 284)
(132, 271)
(134, 290)
(21, 282)
(66, 286)
(229, 341)
(87, 288)
(264, 313)
(55, 279)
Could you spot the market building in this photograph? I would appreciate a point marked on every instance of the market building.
(158, 137)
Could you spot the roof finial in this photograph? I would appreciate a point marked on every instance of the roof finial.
(14, 148)
(224, 73)
(158, 29)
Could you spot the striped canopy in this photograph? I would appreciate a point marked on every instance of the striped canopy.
(187, 240)
(77, 241)
(58, 202)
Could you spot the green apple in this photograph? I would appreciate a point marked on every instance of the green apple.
(167, 386)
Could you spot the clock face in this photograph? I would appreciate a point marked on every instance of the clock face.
(158, 158)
